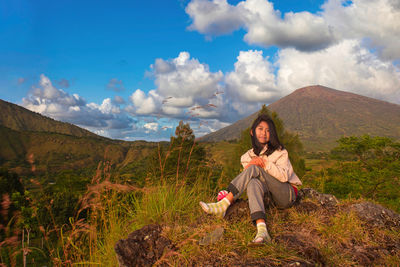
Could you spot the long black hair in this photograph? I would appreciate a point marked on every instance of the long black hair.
(273, 143)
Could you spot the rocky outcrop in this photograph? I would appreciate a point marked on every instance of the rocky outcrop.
(147, 246)
(376, 214)
(143, 247)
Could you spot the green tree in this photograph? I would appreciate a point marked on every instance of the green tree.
(368, 167)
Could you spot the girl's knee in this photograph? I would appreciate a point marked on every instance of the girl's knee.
(253, 168)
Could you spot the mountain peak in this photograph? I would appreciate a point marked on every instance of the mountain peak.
(320, 115)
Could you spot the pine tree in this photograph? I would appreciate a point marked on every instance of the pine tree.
(181, 159)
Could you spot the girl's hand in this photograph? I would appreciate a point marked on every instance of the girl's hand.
(256, 161)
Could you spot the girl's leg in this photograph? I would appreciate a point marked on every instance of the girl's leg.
(282, 193)
(236, 188)
(257, 182)
(255, 194)
(239, 184)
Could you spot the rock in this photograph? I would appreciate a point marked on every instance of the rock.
(143, 247)
(212, 237)
(376, 214)
(323, 199)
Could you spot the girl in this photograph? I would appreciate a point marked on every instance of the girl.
(266, 169)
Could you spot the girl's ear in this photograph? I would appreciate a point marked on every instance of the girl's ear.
(251, 132)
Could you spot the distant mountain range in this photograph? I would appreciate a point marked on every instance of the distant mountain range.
(321, 115)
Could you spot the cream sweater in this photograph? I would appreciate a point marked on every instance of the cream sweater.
(277, 165)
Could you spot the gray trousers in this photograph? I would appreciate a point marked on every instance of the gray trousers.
(258, 182)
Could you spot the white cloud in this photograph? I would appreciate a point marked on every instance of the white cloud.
(263, 23)
(185, 79)
(143, 104)
(151, 126)
(55, 103)
(182, 83)
(303, 30)
(346, 66)
(253, 79)
(376, 22)
(214, 17)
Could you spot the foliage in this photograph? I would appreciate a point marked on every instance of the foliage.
(10, 185)
(368, 167)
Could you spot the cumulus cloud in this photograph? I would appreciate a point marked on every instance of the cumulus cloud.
(107, 107)
(374, 22)
(115, 85)
(214, 17)
(253, 79)
(347, 66)
(151, 126)
(56, 103)
(185, 79)
(265, 25)
(182, 83)
(142, 104)
(303, 30)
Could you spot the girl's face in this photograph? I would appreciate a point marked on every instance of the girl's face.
(262, 132)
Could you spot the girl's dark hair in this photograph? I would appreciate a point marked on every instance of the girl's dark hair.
(273, 143)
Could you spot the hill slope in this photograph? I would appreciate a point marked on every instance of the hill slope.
(321, 115)
(55, 146)
(21, 119)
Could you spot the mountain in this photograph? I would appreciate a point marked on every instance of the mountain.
(321, 115)
(53, 146)
(21, 119)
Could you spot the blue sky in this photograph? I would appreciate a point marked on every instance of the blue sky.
(132, 69)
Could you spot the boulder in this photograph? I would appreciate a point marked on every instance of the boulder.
(143, 247)
(376, 214)
(323, 199)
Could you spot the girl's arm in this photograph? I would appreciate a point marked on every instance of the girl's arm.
(281, 169)
(256, 161)
(247, 160)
